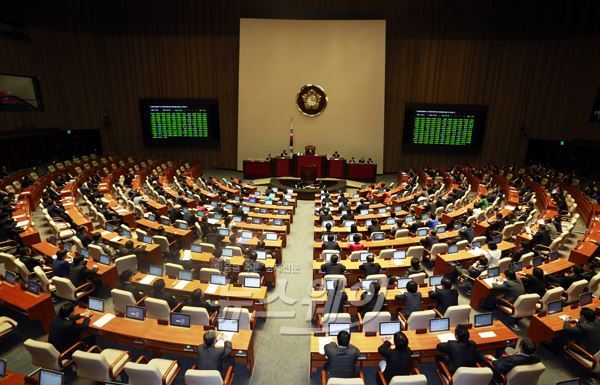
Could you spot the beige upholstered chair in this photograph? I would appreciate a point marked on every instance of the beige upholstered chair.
(437, 249)
(590, 361)
(45, 355)
(157, 309)
(198, 315)
(158, 371)
(122, 299)
(571, 295)
(7, 325)
(172, 269)
(370, 322)
(419, 278)
(208, 377)
(335, 277)
(416, 320)
(246, 319)
(524, 306)
(525, 374)
(415, 379)
(554, 294)
(66, 290)
(340, 318)
(127, 262)
(100, 365)
(415, 252)
(45, 283)
(458, 314)
(464, 375)
(206, 272)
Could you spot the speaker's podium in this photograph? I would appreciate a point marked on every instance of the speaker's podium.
(309, 166)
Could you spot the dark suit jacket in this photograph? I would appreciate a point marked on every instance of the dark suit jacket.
(79, 274)
(341, 362)
(371, 302)
(212, 358)
(398, 362)
(467, 234)
(445, 298)
(505, 364)
(330, 245)
(585, 334)
(460, 354)
(335, 303)
(510, 290)
(412, 302)
(65, 332)
(534, 285)
(429, 241)
(203, 303)
(171, 300)
(370, 268)
(330, 268)
(132, 288)
(61, 268)
(373, 228)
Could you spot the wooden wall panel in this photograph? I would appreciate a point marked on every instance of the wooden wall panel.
(535, 64)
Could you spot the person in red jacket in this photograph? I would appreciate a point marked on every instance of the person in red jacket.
(356, 245)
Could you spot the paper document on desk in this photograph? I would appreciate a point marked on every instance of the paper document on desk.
(187, 255)
(489, 334)
(212, 221)
(224, 336)
(106, 318)
(116, 239)
(147, 280)
(492, 281)
(399, 262)
(211, 289)
(104, 232)
(565, 317)
(322, 342)
(181, 285)
(476, 252)
(446, 337)
(22, 223)
(121, 211)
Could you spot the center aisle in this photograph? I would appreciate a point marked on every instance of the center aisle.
(282, 344)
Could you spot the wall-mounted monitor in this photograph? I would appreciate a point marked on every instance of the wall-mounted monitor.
(20, 93)
(444, 126)
(179, 121)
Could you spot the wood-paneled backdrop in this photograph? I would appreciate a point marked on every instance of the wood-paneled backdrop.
(535, 64)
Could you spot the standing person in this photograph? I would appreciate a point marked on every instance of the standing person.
(397, 359)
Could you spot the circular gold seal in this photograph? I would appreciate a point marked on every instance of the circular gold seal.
(311, 100)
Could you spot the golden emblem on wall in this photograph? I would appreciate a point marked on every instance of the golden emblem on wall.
(311, 100)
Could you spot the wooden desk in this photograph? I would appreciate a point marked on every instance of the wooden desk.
(152, 253)
(289, 209)
(482, 290)
(200, 260)
(107, 273)
(128, 216)
(257, 169)
(12, 378)
(543, 329)
(274, 247)
(423, 345)
(445, 263)
(285, 217)
(165, 339)
(280, 230)
(343, 231)
(185, 237)
(353, 272)
(583, 253)
(34, 307)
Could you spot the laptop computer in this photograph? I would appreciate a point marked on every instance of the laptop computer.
(228, 325)
(10, 277)
(33, 287)
(180, 320)
(585, 298)
(252, 282)
(399, 254)
(484, 319)
(155, 270)
(555, 307)
(388, 328)
(334, 328)
(572, 381)
(184, 275)
(435, 280)
(452, 249)
(2, 367)
(402, 282)
(50, 377)
(135, 312)
(493, 272)
(439, 325)
(218, 279)
(96, 304)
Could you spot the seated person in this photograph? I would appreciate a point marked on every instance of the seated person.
(333, 267)
(535, 283)
(60, 266)
(251, 265)
(372, 299)
(504, 364)
(106, 249)
(336, 299)
(216, 262)
(330, 243)
(197, 300)
(65, 331)
(445, 297)
(432, 222)
(412, 299)
(467, 232)
(397, 360)
(460, 353)
(325, 216)
(26, 256)
(495, 227)
(374, 226)
(415, 268)
(125, 284)
(158, 292)
(129, 249)
(356, 245)
(511, 288)
(430, 240)
(341, 357)
(474, 271)
(211, 357)
(79, 273)
(585, 332)
(370, 267)
(493, 254)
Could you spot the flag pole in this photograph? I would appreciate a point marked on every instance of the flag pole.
(291, 136)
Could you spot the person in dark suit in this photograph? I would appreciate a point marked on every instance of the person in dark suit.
(211, 357)
(495, 226)
(325, 216)
(125, 284)
(374, 226)
(511, 288)
(330, 243)
(158, 292)
(586, 332)
(65, 331)
(197, 300)
(460, 353)
(415, 268)
(535, 283)
(26, 256)
(503, 365)
(79, 273)
(370, 267)
(445, 297)
(430, 240)
(397, 360)
(333, 267)
(336, 298)
(61, 267)
(251, 265)
(541, 237)
(371, 299)
(412, 299)
(128, 249)
(467, 233)
(341, 357)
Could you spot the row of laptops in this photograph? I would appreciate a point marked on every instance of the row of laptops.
(434, 280)
(227, 252)
(435, 325)
(557, 306)
(215, 279)
(33, 287)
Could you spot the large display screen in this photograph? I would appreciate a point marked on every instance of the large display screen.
(453, 126)
(179, 120)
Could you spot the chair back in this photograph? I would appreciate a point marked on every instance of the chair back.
(44, 281)
(243, 275)
(575, 290)
(336, 277)
(415, 379)
(207, 247)
(143, 374)
(551, 295)
(339, 318)
(172, 269)
(206, 272)
(157, 309)
(419, 278)
(64, 288)
(504, 263)
(526, 259)
(594, 283)
(163, 242)
(458, 314)
(401, 233)
(241, 314)
(9, 262)
(198, 315)
(91, 366)
(372, 319)
(462, 245)
(43, 354)
(472, 376)
(22, 270)
(419, 319)
(345, 381)
(127, 262)
(525, 305)
(415, 252)
(438, 248)
(387, 253)
(481, 239)
(235, 250)
(121, 299)
(382, 278)
(525, 374)
(203, 377)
